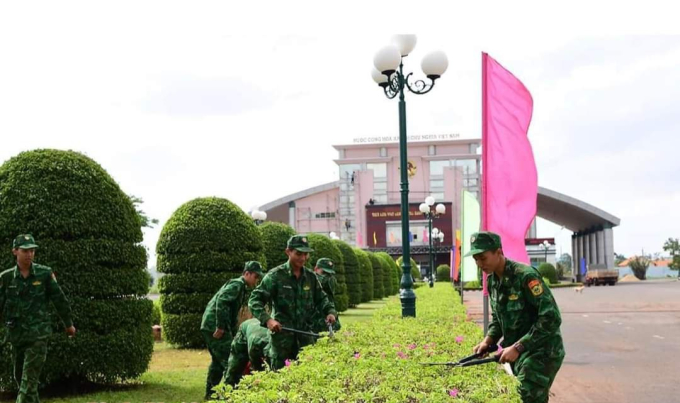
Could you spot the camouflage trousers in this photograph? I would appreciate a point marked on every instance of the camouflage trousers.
(28, 360)
(219, 352)
(240, 355)
(536, 372)
(286, 346)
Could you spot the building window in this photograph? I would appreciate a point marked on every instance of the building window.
(436, 183)
(380, 198)
(325, 215)
(469, 166)
(383, 151)
(470, 182)
(379, 185)
(437, 167)
(379, 170)
(346, 170)
(351, 198)
(432, 150)
(438, 196)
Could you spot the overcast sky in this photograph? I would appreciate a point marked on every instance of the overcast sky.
(181, 100)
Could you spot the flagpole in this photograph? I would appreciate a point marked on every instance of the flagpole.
(485, 292)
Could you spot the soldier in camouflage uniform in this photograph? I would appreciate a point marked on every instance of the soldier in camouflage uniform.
(251, 344)
(524, 314)
(294, 293)
(220, 321)
(25, 293)
(325, 272)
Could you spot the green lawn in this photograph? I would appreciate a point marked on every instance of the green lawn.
(174, 375)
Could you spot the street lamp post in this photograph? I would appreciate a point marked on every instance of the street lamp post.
(389, 74)
(546, 245)
(258, 216)
(426, 209)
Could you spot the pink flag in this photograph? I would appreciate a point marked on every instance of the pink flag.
(510, 181)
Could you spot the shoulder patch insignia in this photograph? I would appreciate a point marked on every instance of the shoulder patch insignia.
(536, 287)
(513, 297)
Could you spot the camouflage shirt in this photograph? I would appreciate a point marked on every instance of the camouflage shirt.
(523, 309)
(222, 310)
(293, 300)
(256, 335)
(24, 303)
(329, 285)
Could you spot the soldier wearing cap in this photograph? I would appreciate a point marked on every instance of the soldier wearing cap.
(251, 344)
(220, 321)
(325, 272)
(25, 293)
(524, 314)
(294, 293)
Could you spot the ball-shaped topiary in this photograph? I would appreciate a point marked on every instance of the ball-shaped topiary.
(415, 269)
(89, 234)
(548, 270)
(376, 263)
(205, 243)
(324, 247)
(388, 273)
(275, 237)
(352, 279)
(366, 273)
(443, 272)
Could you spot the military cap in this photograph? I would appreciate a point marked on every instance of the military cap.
(300, 243)
(254, 267)
(483, 241)
(24, 241)
(326, 265)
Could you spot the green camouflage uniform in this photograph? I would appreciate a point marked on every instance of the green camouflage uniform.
(250, 345)
(293, 301)
(524, 311)
(222, 313)
(24, 305)
(329, 285)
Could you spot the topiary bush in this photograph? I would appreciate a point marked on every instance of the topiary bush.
(366, 273)
(443, 272)
(548, 270)
(352, 279)
(415, 269)
(377, 265)
(204, 244)
(156, 313)
(275, 237)
(89, 234)
(388, 273)
(324, 247)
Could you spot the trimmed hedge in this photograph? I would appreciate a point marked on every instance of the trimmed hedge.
(415, 269)
(352, 279)
(324, 247)
(205, 243)
(366, 271)
(443, 272)
(380, 361)
(389, 285)
(548, 271)
(89, 234)
(377, 265)
(275, 237)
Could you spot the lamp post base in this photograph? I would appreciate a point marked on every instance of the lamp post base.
(408, 302)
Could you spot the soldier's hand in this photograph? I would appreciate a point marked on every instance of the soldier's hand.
(218, 333)
(330, 319)
(510, 354)
(71, 331)
(483, 347)
(273, 325)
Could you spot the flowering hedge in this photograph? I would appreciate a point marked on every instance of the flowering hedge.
(379, 361)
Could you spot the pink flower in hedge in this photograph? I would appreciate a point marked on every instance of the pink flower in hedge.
(412, 346)
(357, 355)
(402, 355)
(453, 392)
(288, 363)
(459, 339)
(426, 346)
(396, 345)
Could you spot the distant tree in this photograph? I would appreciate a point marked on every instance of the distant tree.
(672, 245)
(639, 265)
(144, 219)
(565, 260)
(618, 258)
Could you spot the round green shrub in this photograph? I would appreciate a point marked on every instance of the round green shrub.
(352, 279)
(443, 272)
(205, 243)
(324, 247)
(415, 269)
(548, 270)
(89, 234)
(388, 273)
(366, 273)
(546, 280)
(275, 237)
(156, 313)
(377, 265)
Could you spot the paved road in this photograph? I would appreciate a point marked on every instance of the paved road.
(622, 343)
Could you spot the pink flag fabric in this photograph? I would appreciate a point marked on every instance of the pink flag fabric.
(510, 180)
